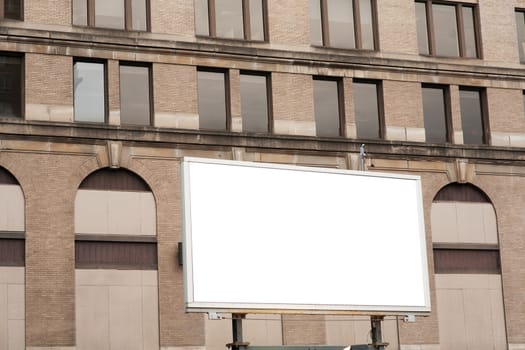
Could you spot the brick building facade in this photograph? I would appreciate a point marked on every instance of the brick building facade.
(433, 88)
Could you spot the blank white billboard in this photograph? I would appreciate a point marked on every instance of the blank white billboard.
(272, 238)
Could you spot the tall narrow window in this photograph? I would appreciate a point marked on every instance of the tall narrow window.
(254, 102)
(447, 29)
(328, 107)
(90, 92)
(436, 115)
(11, 9)
(347, 24)
(112, 14)
(213, 100)
(520, 25)
(368, 103)
(473, 120)
(135, 106)
(231, 19)
(10, 86)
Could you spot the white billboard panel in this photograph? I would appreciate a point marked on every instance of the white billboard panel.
(272, 238)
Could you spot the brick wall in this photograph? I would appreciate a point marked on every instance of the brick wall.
(48, 11)
(172, 17)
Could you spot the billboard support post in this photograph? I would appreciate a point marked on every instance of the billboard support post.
(377, 337)
(237, 337)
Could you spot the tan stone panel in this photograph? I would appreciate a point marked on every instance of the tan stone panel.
(3, 316)
(489, 224)
(444, 222)
(263, 330)
(498, 316)
(172, 17)
(452, 329)
(150, 278)
(478, 319)
(498, 31)
(86, 277)
(48, 12)
(218, 333)
(470, 222)
(506, 110)
(91, 212)
(16, 337)
(92, 317)
(124, 213)
(397, 26)
(125, 317)
(150, 316)
(148, 214)
(15, 302)
(11, 208)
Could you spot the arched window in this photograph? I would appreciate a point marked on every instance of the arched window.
(467, 269)
(12, 262)
(116, 262)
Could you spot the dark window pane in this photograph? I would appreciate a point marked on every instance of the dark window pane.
(366, 110)
(138, 12)
(107, 179)
(201, 17)
(254, 103)
(445, 29)
(212, 100)
(466, 261)
(134, 95)
(367, 24)
(80, 12)
(471, 117)
(520, 24)
(229, 19)
(316, 31)
(326, 106)
(89, 92)
(12, 252)
(256, 20)
(10, 86)
(13, 9)
(422, 29)
(434, 114)
(341, 23)
(109, 14)
(117, 255)
(470, 32)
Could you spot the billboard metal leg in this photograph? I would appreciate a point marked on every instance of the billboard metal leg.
(377, 336)
(238, 342)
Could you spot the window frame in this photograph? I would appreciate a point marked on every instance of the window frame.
(340, 100)
(485, 127)
(150, 90)
(20, 15)
(21, 59)
(380, 106)
(460, 26)
(128, 19)
(227, 96)
(106, 93)
(212, 22)
(269, 101)
(325, 32)
(449, 132)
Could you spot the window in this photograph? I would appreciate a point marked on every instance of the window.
(89, 92)
(11, 9)
(436, 113)
(328, 107)
(255, 110)
(347, 24)
(231, 19)
(214, 110)
(520, 24)
(112, 14)
(10, 86)
(473, 116)
(368, 102)
(135, 95)
(447, 29)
